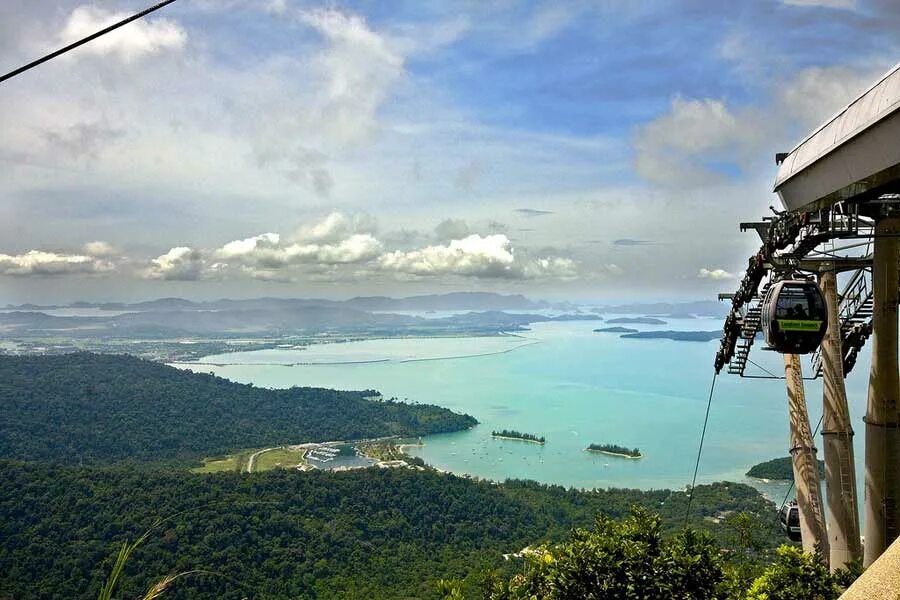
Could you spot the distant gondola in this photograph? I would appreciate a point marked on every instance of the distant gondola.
(790, 520)
(794, 316)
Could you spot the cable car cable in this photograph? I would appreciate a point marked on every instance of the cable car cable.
(83, 41)
(712, 387)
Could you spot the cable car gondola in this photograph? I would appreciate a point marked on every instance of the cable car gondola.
(789, 515)
(794, 317)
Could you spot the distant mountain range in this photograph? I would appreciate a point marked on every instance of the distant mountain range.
(451, 301)
(674, 310)
(267, 322)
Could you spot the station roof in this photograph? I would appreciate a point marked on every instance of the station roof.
(846, 150)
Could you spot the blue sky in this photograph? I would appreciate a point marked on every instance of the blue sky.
(248, 148)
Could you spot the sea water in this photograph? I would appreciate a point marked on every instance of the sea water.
(574, 386)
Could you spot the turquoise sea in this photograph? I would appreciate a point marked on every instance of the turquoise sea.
(573, 386)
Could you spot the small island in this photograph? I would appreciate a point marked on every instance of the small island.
(614, 450)
(678, 336)
(511, 434)
(615, 330)
(638, 320)
(778, 469)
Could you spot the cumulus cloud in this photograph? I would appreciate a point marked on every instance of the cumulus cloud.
(98, 249)
(489, 256)
(690, 143)
(715, 274)
(336, 227)
(41, 263)
(133, 41)
(178, 264)
(336, 240)
(704, 141)
(553, 267)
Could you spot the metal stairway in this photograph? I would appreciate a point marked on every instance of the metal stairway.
(855, 315)
(750, 326)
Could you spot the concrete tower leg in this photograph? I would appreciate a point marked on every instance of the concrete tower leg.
(882, 447)
(803, 458)
(842, 508)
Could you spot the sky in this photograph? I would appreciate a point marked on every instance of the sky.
(596, 151)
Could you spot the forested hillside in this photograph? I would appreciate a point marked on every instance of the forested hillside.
(364, 534)
(88, 408)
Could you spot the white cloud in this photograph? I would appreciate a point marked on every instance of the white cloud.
(816, 93)
(490, 256)
(716, 274)
(135, 40)
(678, 148)
(553, 267)
(178, 264)
(360, 66)
(333, 241)
(249, 246)
(337, 226)
(843, 4)
(700, 142)
(359, 247)
(40, 263)
(98, 249)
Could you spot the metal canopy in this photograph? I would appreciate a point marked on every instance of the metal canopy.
(853, 154)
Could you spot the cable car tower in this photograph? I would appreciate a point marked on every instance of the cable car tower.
(840, 191)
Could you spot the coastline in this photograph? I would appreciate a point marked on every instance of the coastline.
(202, 362)
(638, 457)
(516, 439)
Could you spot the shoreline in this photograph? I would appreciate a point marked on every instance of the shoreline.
(517, 439)
(201, 362)
(638, 457)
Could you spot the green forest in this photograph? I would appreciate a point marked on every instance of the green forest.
(96, 450)
(91, 408)
(779, 468)
(374, 533)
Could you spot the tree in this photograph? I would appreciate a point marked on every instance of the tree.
(626, 560)
(795, 575)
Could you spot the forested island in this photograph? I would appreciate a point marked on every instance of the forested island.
(615, 330)
(678, 336)
(638, 320)
(511, 434)
(779, 469)
(615, 450)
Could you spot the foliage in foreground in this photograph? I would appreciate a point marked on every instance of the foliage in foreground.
(632, 560)
(795, 575)
(374, 533)
(627, 560)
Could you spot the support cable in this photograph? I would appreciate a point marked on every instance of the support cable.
(83, 41)
(712, 387)
(762, 368)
